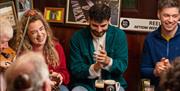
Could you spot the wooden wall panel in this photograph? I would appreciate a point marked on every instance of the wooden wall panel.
(64, 34)
(135, 45)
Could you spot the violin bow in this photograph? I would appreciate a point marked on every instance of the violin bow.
(21, 42)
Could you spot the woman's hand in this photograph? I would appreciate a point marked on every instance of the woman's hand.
(56, 78)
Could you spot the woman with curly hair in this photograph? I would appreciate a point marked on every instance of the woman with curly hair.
(39, 38)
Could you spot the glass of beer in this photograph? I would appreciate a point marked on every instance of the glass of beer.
(149, 88)
(99, 85)
(111, 85)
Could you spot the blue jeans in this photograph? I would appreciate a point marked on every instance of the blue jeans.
(63, 88)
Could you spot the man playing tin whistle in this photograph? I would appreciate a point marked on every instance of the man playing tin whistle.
(98, 52)
(162, 46)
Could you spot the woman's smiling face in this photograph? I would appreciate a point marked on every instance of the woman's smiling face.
(37, 33)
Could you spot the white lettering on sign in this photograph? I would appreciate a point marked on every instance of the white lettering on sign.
(140, 27)
(135, 24)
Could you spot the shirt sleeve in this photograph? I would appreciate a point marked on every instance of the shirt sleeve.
(62, 68)
(93, 73)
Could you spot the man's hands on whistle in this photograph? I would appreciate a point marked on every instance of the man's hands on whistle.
(101, 59)
(161, 66)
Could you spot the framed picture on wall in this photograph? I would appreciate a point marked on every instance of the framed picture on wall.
(54, 14)
(7, 11)
(22, 6)
(77, 10)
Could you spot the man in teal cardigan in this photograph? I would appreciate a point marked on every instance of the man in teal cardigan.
(98, 50)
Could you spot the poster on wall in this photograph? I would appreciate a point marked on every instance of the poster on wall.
(52, 14)
(7, 11)
(77, 11)
(22, 6)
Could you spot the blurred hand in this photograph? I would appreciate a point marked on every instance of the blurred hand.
(161, 66)
(4, 65)
(56, 78)
(101, 57)
(166, 63)
(97, 66)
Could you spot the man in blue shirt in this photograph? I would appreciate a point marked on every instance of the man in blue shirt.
(162, 45)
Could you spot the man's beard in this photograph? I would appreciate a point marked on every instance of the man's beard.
(98, 34)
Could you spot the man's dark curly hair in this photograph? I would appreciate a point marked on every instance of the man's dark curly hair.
(99, 13)
(171, 79)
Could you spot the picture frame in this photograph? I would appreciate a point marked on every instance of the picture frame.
(53, 14)
(22, 6)
(77, 11)
(7, 11)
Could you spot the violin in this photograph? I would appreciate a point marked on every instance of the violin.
(6, 58)
(8, 55)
